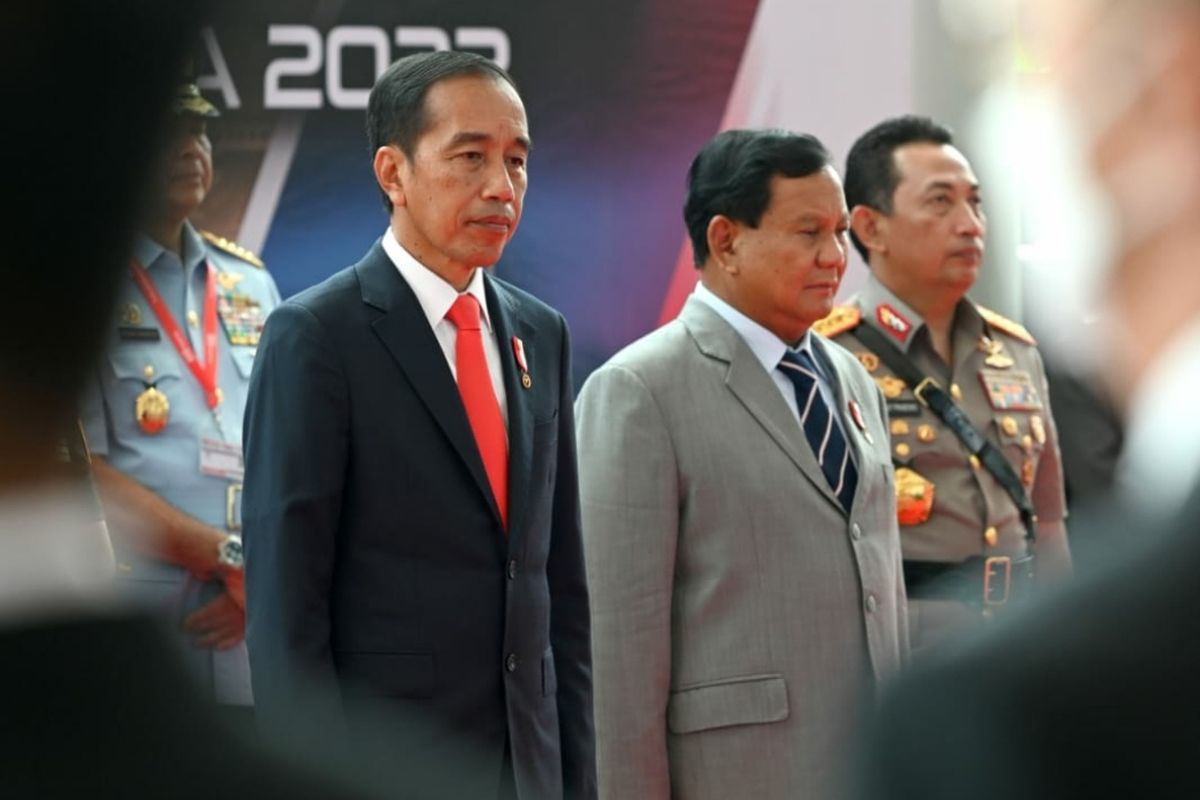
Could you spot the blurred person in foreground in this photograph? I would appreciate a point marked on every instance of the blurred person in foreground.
(1095, 694)
(163, 415)
(979, 486)
(95, 700)
(412, 516)
(738, 509)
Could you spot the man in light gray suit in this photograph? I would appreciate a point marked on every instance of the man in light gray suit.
(738, 508)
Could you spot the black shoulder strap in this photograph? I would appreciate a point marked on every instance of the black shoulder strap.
(931, 394)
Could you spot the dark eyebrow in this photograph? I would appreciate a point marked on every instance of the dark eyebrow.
(949, 186)
(471, 137)
(810, 217)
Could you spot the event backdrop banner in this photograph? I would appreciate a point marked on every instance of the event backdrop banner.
(620, 95)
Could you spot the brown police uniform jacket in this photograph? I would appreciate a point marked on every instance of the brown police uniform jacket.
(951, 509)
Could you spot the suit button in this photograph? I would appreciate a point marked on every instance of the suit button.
(856, 531)
(510, 662)
(872, 603)
(512, 569)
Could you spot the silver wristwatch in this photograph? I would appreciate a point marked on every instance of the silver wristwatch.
(229, 552)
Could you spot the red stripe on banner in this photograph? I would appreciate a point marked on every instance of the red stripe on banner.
(739, 109)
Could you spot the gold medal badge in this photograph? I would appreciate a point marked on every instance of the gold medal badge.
(914, 497)
(869, 360)
(151, 408)
(890, 386)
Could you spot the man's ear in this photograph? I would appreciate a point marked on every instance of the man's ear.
(722, 237)
(390, 162)
(870, 227)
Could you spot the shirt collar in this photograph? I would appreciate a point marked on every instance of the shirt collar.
(149, 252)
(883, 309)
(766, 346)
(433, 293)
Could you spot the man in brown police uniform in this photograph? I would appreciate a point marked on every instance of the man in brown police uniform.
(978, 480)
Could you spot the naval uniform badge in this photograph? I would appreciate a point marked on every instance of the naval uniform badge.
(151, 409)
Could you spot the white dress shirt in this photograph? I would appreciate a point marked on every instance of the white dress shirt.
(436, 296)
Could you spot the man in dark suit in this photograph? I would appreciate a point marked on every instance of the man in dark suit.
(1094, 694)
(411, 507)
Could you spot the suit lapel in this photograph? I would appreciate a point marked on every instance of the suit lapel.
(755, 390)
(506, 317)
(405, 332)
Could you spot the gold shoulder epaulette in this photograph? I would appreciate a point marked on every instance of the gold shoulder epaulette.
(233, 248)
(1005, 325)
(840, 320)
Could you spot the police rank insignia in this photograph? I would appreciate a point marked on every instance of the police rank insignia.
(893, 322)
(994, 350)
(241, 314)
(1010, 390)
(838, 321)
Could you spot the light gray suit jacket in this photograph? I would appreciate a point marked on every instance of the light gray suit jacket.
(739, 617)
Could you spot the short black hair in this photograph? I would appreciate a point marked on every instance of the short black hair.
(396, 112)
(731, 176)
(871, 175)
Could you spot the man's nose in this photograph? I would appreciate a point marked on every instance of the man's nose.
(499, 183)
(971, 221)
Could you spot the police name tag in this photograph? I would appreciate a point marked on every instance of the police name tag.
(903, 408)
(1010, 390)
(221, 459)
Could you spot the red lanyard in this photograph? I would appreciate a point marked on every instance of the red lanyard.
(205, 373)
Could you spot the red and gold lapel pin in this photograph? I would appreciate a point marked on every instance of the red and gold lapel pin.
(857, 415)
(519, 353)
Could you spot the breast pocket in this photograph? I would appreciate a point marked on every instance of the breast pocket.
(137, 367)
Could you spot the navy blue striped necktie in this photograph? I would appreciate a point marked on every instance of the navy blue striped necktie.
(822, 431)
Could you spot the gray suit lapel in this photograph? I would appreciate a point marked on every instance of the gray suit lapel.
(754, 389)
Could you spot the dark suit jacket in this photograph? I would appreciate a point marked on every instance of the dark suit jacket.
(1093, 694)
(102, 707)
(376, 560)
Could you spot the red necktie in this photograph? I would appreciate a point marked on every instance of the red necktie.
(479, 398)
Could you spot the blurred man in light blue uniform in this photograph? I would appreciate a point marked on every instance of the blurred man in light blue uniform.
(164, 416)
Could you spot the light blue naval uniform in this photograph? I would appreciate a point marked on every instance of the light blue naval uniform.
(140, 354)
